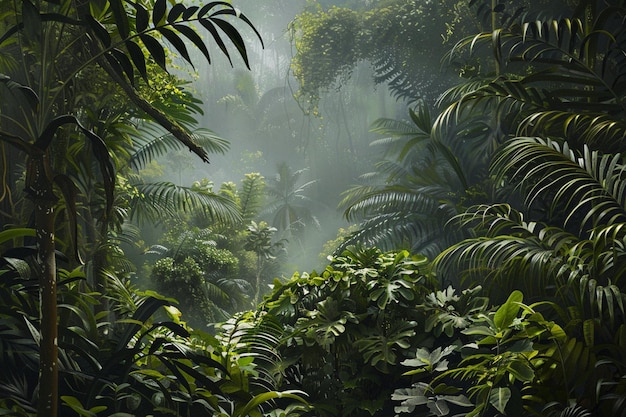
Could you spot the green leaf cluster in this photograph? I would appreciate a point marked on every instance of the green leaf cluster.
(347, 329)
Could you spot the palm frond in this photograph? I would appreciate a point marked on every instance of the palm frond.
(160, 145)
(251, 196)
(590, 188)
(258, 336)
(158, 201)
(391, 199)
(597, 130)
(509, 253)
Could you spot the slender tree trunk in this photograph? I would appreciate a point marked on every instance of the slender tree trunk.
(39, 188)
(257, 293)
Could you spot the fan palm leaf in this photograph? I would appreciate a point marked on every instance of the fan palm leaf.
(288, 204)
(577, 79)
(422, 182)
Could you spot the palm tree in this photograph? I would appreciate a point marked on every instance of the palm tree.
(288, 206)
(54, 44)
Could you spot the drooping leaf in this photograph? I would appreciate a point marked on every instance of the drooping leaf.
(192, 36)
(124, 63)
(208, 25)
(235, 38)
(32, 21)
(155, 49)
(29, 93)
(137, 57)
(176, 42)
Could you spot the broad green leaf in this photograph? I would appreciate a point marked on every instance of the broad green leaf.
(508, 311)
(499, 397)
(521, 370)
(259, 399)
(479, 330)
(439, 407)
(589, 332)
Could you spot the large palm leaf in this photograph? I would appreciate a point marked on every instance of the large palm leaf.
(163, 143)
(545, 262)
(575, 85)
(157, 201)
(581, 191)
(288, 205)
(418, 186)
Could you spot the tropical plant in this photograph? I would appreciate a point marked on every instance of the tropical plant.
(419, 185)
(399, 38)
(561, 243)
(259, 240)
(58, 41)
(347, 329)
(149, 362)
(288, 205)
(201, 276)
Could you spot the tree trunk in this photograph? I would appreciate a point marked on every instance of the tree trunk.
(257, 292)
(39, 188)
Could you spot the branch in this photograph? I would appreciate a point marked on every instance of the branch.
(160, 117)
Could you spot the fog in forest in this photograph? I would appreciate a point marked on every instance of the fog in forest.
(255, 110)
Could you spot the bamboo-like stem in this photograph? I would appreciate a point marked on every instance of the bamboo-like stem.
(40, 189)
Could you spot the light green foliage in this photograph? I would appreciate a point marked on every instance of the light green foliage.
(200, 275)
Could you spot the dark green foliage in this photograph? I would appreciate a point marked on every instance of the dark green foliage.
(146, 362)
(423, 181)
(347, 329)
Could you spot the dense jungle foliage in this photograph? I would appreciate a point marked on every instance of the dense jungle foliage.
(482, 273)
